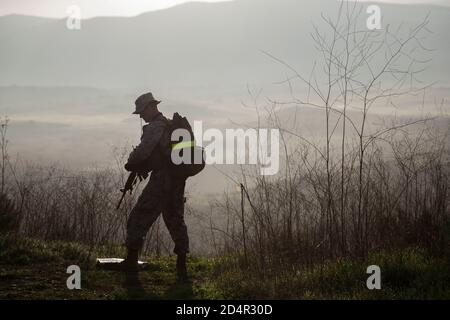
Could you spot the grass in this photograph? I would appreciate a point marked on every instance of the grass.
(34, 269)
(406, 274)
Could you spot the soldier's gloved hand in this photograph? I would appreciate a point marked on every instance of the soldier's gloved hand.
(128, 167)
(142, 175)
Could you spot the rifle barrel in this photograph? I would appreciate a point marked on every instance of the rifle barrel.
(121, 199)
(128, 187)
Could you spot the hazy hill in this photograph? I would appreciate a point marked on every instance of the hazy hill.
(60, 87)
(214, 46)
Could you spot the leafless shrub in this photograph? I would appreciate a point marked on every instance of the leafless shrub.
(363, 188)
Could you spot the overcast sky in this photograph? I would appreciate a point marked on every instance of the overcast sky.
(89, 8)
(92, 8)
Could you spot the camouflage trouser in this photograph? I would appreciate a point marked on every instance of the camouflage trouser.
(163, 194)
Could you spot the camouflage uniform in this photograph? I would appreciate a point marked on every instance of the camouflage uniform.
(163, 194)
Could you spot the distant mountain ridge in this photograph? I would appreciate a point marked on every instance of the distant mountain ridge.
(213, 45)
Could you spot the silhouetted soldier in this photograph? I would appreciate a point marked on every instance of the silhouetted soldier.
(163, 193)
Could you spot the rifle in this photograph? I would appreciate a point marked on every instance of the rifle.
(131, 181)
(129, 185)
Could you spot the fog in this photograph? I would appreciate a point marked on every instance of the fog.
(69, 94)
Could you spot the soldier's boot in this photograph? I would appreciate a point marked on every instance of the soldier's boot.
(131, 261)
(181, 268)
(130, 264)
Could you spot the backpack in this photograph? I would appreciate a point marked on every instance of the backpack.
(184, 157)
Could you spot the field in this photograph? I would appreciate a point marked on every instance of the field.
(33, 269)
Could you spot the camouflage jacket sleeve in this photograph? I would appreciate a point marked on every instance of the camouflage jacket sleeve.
(151, 136)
